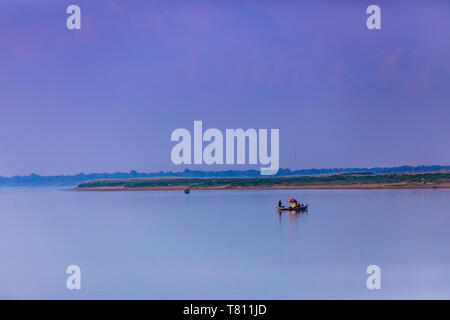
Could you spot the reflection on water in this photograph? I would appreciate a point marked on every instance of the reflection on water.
(224, 244)
(293, 215)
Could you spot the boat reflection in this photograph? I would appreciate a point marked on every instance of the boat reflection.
(292, 215)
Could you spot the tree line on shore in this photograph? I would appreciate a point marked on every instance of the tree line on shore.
(72, 180)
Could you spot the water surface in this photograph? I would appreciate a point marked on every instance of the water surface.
(224, 244)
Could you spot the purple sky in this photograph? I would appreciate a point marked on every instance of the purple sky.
(107, 97)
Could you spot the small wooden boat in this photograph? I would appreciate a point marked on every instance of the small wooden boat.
(187, 191)
(301, 207)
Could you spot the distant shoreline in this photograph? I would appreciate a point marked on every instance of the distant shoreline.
(71, 180)
(342, 181)
(352, 187)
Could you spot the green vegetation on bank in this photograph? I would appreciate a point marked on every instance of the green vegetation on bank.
(71, 180)
(255, 182)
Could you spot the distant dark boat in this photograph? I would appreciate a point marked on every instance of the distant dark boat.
(187, 191)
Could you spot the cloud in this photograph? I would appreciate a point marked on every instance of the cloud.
(390, 62)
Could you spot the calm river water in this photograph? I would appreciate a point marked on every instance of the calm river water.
(224, 244)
